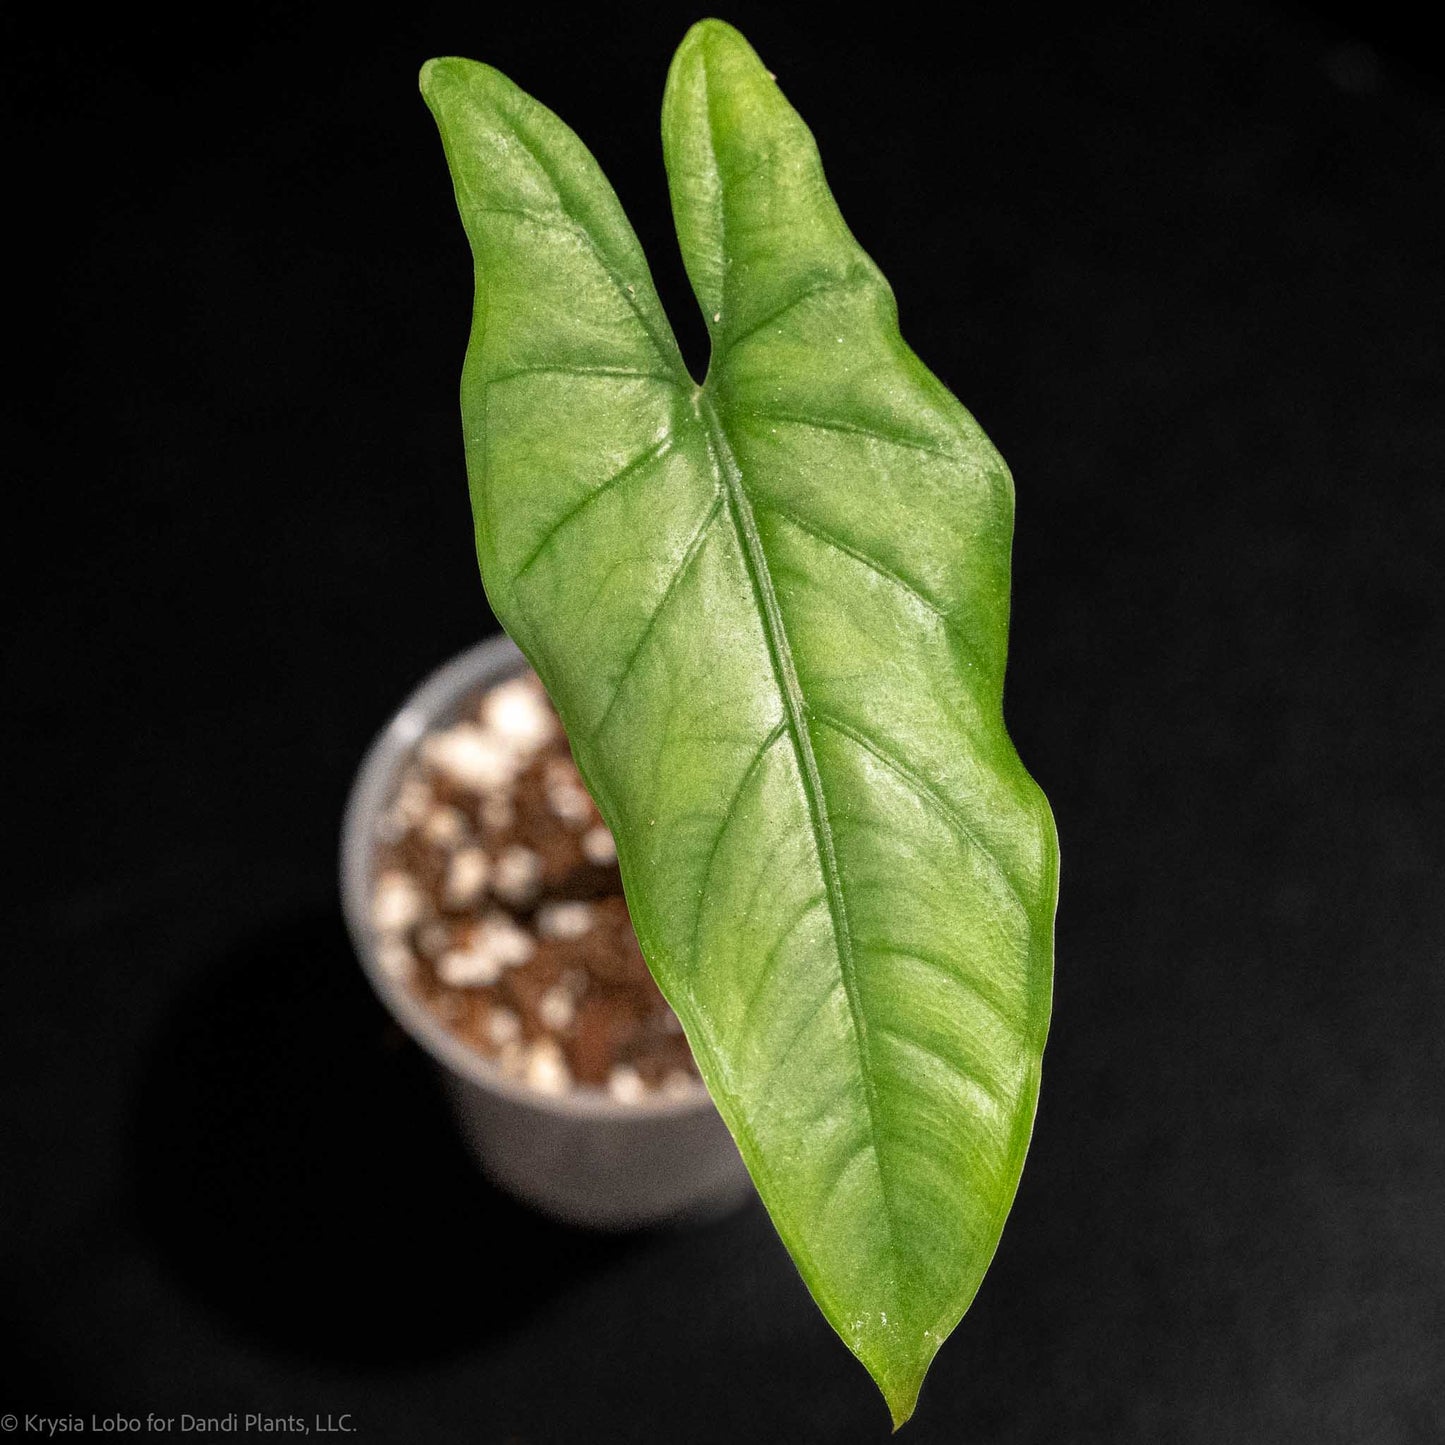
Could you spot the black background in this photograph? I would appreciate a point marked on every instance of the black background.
(1186, 269)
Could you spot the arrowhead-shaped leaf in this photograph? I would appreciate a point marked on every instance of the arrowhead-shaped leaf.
(772, 610)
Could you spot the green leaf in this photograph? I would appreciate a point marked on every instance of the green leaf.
(772, 610)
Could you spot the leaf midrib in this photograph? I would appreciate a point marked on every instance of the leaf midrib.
(728, 474)
(740, 512)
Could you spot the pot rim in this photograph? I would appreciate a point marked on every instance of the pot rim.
(491, 660)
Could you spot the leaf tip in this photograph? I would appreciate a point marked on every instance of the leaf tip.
(439, 82)
(702, 30)
(450, 78)
(713, 39)
(900, 1394)
(898, 1359)
(433, 76)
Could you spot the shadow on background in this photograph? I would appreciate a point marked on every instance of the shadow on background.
(297, 1170)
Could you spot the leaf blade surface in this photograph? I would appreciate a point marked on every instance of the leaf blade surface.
(772, 611)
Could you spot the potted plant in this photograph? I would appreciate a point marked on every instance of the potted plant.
(771, 607)
(481, 918)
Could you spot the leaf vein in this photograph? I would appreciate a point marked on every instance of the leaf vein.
(638, 463)
(782, 1055)
(858, 555)
(817, 423)
(938, 966)
(838, 1175)
(759, 984)
(693, 548)
(989, 1090)
(625, 372)
(754, 763)
(821, 288)
(928, 795)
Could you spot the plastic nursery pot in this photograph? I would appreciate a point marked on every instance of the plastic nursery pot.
(582, 1156)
